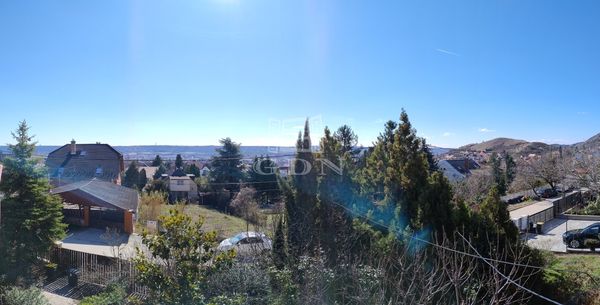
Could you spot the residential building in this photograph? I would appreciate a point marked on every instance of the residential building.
(78, 162)
(457, 169)
(182, 187)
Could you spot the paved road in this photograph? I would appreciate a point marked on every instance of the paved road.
(552, 238)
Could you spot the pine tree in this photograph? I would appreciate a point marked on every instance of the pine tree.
(178, 162)
(132, 176)
(347, 138)
(31, 217)
(157, 161)
(279, 249)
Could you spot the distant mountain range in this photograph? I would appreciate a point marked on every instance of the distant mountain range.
(521, 147)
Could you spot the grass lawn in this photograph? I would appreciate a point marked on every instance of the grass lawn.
(225, 225)
(589, 263)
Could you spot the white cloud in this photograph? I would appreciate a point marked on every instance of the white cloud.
(447, 52)
(447, 134)
(485, 130)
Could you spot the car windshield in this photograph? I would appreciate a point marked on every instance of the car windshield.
(237, 238)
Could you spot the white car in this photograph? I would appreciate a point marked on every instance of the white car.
(247, 244)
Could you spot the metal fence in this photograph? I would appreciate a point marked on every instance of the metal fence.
(99, 270)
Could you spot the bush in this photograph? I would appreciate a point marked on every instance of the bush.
(249, 280)
(31, 296)
(591, 243)
(113, 295)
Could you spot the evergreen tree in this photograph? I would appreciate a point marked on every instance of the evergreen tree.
(143, 180)
(406, 174)
(31, 217)
(433, 166)
(335, 194)
(279, 249)
(301, 200)
(132, 176)
(347, 138)
(159, 172)
(263, 178)
(227, 165)
(193, 169)
(496, 213)
(178, 162)
(498, 174)
(510, 168)
(157, 161)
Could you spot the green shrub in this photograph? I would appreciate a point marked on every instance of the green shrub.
(113, 295)
(591, 243)
(31, 296)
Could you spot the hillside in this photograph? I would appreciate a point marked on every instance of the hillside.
(592, 143)
(512, 146)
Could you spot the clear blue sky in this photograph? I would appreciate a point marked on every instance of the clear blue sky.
(191, 72)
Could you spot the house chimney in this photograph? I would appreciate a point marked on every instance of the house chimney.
(73, 147)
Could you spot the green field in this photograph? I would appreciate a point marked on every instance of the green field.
(225, 225)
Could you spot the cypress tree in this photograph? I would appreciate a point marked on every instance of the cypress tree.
(157, 161)
(279, 249)
(301, 200)
(178, 162)
(143, 180)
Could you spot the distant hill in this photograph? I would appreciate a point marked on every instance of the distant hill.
(512, 146)
(521, 147)
(592, 143)
(167, 152)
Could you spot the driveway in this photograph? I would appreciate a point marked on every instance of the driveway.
(97, 241)
(551, 239)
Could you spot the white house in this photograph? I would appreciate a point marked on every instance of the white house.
(182, 187)
(457, 170)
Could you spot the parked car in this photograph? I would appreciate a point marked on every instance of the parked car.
(576, 238)
(247, 244)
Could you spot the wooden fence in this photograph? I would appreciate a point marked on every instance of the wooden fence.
(99, 270)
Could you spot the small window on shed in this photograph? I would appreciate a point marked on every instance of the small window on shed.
(99, 170)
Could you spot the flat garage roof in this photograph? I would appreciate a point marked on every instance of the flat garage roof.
(531, 209)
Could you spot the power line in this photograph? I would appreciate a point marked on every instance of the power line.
(478, 256)
(508, 278)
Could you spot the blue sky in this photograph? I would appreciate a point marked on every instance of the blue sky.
(191, 72)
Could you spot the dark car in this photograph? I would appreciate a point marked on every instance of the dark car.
(576, 238)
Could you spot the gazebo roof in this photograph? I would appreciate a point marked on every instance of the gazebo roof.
(99, 193)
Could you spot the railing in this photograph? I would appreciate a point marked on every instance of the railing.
(99, 270)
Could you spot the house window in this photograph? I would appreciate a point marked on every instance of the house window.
(99, 170)
(179, 182)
